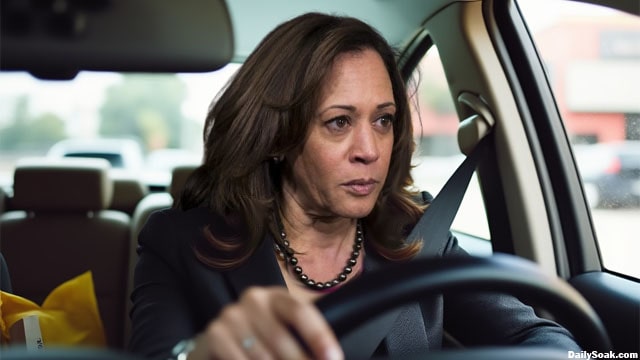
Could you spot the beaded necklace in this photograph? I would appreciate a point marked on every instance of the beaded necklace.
(288, 255)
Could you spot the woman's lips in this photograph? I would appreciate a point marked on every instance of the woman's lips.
(360, 187)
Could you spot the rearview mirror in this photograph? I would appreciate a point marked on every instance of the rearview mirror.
(55, 39)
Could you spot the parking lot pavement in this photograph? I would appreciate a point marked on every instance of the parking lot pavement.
(619, 239)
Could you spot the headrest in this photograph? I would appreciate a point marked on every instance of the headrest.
(65, 184)
(127, 192)
(179, 177)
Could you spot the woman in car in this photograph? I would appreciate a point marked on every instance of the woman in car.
(305, 185)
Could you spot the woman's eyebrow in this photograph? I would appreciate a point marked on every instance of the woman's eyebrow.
(352, 108)
(387, 104)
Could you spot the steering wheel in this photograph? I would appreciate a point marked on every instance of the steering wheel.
(378, 291)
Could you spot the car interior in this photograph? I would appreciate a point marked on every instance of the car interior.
(527, 213)
(58, 209)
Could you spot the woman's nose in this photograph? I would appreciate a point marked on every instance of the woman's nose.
(365, 144)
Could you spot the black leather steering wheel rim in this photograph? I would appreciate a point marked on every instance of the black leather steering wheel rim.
(398, 284)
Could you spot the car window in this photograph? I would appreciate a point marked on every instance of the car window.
(142, 123)
(437, 153)
(592, 61)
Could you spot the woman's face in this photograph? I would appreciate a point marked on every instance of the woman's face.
(345, 159)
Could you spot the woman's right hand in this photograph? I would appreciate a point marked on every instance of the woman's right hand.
(268, 323)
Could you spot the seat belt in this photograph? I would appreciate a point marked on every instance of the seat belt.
(435, 223)
(473, 136)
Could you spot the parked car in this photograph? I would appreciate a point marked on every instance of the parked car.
(611, 173)
(125, 154)
(495, 58)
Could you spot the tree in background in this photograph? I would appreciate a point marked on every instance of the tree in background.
(147, 107)
(27, 132)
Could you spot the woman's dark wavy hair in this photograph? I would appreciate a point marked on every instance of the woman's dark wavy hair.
(264, 112)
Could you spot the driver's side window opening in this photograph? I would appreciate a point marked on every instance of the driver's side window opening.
(594, 55)
(437, 153)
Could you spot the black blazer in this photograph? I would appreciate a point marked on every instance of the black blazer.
(175, 296)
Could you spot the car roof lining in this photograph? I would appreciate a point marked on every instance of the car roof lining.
(397, 21)
(158, 37)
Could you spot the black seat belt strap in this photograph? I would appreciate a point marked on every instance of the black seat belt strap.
(435, 224)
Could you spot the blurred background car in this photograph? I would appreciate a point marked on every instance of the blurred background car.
(611, 173)
(123, 154)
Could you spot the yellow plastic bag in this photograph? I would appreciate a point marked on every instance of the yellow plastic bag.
(68, 316)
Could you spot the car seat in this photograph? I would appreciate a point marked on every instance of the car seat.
(150, 203)
(5, 279)
(128, 190)
(3, 200)
(59, 227)
(160, 200)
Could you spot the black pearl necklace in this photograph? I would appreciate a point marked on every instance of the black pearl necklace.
(288, 255)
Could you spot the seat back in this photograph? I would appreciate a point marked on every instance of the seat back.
(128, 190)
(179, 177)
(160, 200)
(58, 228)
(5, 278)
(150, 203)
(3, 200)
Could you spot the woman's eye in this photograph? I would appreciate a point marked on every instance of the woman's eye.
(338, 122)
(386, 120)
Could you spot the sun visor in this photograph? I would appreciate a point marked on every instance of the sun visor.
(57, 38)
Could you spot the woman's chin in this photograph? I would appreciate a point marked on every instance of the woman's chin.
(358, 211)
